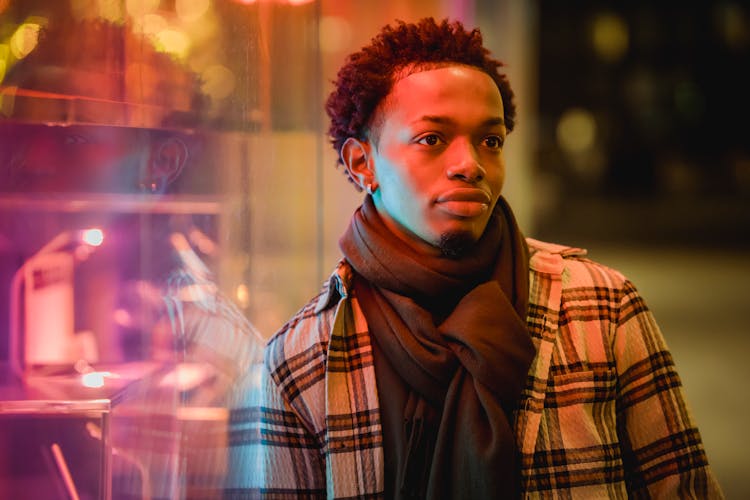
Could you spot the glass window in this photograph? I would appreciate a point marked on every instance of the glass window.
(157, 223)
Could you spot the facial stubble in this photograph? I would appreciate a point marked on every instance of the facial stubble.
(454, 245)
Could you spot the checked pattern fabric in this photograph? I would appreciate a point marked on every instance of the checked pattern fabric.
(602, 415)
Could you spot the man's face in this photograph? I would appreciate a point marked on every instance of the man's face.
(438, 162)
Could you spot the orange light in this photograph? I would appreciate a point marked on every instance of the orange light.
(191, 10)
(24, 40)
(140, 8)
(174, 42)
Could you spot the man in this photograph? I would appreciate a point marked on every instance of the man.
(447, 356)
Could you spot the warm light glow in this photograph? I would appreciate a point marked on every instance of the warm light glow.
(186, 376)
(4, 5)
(139, 8)
(204, 33)
(218, 81)
(93, 237)
(298, 2)
(335, 33)
(242, 294)
(204, 413)
(191, 10)
(732, 24)
(111, 10)
(24, 40)
(78, 8)
(4, 53)
(610, 36)
(151, 24)
(576, 131)
(174, 42)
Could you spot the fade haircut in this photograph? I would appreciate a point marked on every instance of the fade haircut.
(399, 50)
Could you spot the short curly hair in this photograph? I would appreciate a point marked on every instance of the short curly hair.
(368, 75)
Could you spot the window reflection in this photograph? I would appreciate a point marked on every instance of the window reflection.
(124, 355)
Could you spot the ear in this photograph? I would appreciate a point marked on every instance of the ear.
(167, 159)
(356, 157)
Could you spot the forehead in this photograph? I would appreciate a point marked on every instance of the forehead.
(449, 90)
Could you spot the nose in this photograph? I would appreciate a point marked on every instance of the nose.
(465, 164)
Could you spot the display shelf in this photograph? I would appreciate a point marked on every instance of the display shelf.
(113, 203)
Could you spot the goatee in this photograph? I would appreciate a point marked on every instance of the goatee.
(455, 245)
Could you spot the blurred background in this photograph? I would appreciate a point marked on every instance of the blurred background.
(191, 134)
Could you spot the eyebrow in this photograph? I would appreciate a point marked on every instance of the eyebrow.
(445, 120)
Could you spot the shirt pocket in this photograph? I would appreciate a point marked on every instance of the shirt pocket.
(581, 413)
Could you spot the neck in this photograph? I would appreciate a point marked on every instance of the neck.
(449, 245)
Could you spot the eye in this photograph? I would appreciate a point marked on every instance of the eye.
(430, 140)
(493, 142)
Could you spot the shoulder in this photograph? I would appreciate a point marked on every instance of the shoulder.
(305, 336)
(572, 266)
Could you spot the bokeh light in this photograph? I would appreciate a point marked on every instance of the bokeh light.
(111, 10)
(140, 8)
(242, 295)
(93, 237)
(174, 42)
(25, 39)
(151, 24)
(218, 81)
(122, 317)
(4, 53)
(576, 131)
(732, 24)
(191, 10)
(609, 35)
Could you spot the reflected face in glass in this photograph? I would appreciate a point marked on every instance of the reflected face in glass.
(106, 158)
(438, 159)
(75, 158)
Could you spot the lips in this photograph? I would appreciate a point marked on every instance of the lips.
(464, 202)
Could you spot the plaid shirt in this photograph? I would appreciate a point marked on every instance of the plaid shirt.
(602, 414)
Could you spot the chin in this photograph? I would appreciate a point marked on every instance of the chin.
(455, 244)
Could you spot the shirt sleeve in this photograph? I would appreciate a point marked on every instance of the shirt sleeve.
(273, 454)
(662, 449)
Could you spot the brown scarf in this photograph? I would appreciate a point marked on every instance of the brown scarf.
(451, 355)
